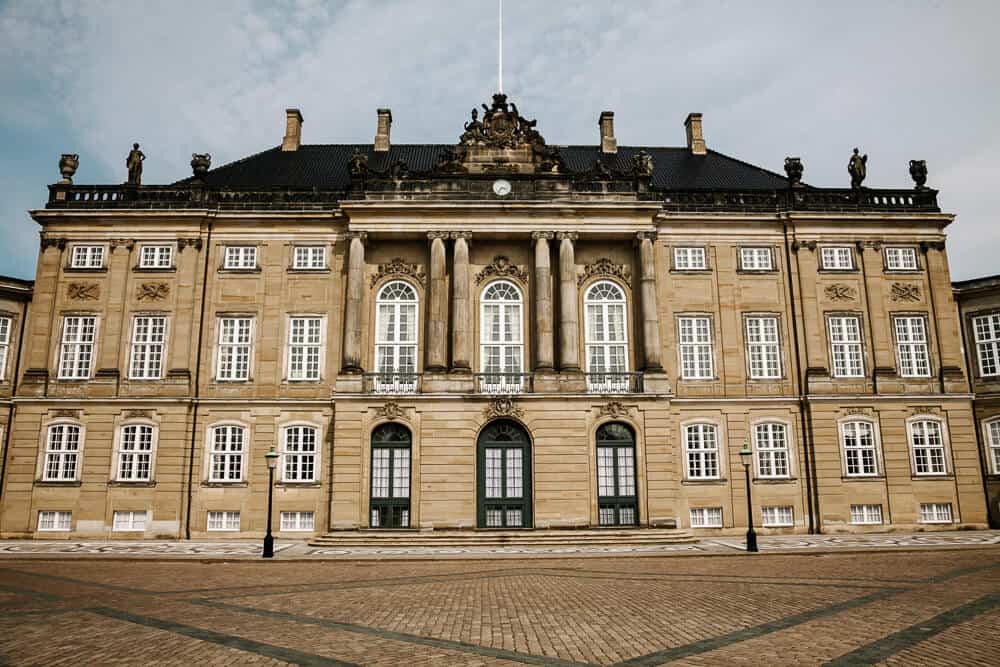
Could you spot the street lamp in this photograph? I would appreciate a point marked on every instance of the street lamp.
(272, 461)
(746, 456)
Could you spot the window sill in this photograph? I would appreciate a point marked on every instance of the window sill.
(756, 272)
(225, 485)
(904, 272)
(233, 382)
(154, 269)
(293, 270)
(57, 483)
(853, 269)
(298, 485)
(84, 269)
(705, 482)
(775, 480)
(239, 271)
(862, 478)
(943, 476)
(134, 485)
(692, 271)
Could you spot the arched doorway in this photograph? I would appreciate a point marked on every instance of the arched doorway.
(503, 467)
(617, 504)
(390, 481)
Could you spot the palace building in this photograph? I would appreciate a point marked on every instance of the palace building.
(499, 333)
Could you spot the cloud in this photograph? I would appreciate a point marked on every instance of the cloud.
(900, 80)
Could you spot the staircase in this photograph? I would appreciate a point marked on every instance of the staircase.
(406, 539)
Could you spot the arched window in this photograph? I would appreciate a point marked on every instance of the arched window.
(227, 450)
(503, 485)
(993, 442)
(299, 451)
(135, 453)
(927, 442)
(390, 494)
(396, 338)
(501, 339)
(860, 454)
(702, 444)
(606, 338)
(616, 496)
(771, 445)
(62, 453)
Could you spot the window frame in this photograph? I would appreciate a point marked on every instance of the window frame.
(896, 318)
(832, 344)
(155, 265)
(753, 267)
(519, 343)
(681, 345)
(720, 456)
(864, 512)
(749, 345)
(772, 451)
(936, 507)
(57, 524)
(299, 454)
(298, 521)
(46, 450)
(226, 515)
(87, 263)
(675, 256)
(605, 346)
(131, 524)
(992, 343)
(291, 347)
(211, 452)
(991, 436)
(777, 510)
(6, 333)
(63, 346)
(852, 264)
(705, 511)
(219, 345)
(942, 433)
(395, 345)
(310, 249)
(876, 448)
(149, 345)
(236, 262)
(888, 252)
(120, 452)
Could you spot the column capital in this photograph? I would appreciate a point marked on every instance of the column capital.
(460, 235)
(53, 242)
(122, 243)
(646, 236)
(808, 245)
(931, 245)
(535, 236)
(362, 236)
(437, 235)
(567, 236)
(874, 245)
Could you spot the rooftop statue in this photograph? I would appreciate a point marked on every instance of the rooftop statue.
(918, 172)
(134, 163)
(502, 126)
(858, 169)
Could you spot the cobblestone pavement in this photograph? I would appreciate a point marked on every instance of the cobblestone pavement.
(912, 607)
(299, 550)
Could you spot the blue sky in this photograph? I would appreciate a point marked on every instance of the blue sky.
(901, 80)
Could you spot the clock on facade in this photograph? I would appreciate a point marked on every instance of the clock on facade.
(501, 187)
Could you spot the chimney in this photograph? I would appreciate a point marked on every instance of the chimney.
(382, 131)
(293, 130)
(696, 140)
(607, 125)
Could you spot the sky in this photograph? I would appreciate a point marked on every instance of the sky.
(900, 80)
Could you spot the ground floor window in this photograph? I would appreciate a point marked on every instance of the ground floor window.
(866, 514)
(48, 520)
(706, 517)
(504, 476)
(390, 490)
(224, 520)
(130, 520)
(776, 516)
(297, 521)
(935, 513)
(616, 496)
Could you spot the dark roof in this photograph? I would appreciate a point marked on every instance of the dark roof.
(325, 166)
(975, 284)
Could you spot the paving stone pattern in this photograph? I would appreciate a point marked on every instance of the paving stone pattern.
(883, 607)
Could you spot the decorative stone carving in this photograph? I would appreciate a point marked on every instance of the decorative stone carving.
(188, 243)
(68, 164)
(614, 409)
(918, 172)
(904, 292)
(501, 268)
(137, 414)
(452, 159)
(857, 167)
(50, 242)
(502, 127)
(396, 267)
(390, 410)
(502, 406)
(152, 291)
(923, 410)
(863, 412)
(840, 292)
(358, 163)
(128, 244)
(64, 414)
(931, 245)
(83, 291)
(606, 268)
(200, 164)
(808, 245)
(642, 164)
(794, 168)
(134, 163)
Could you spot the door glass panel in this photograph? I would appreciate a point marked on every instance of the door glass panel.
(514, 482)
(494, 518)
(605, 471)
(401, 473)
(514, 518)
(626, 472)
(380, 473)
(494, 473)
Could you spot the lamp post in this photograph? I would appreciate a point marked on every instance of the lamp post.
(746, 456)
(272, 461)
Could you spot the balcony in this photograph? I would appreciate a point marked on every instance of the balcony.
(392, 384)
(614, 383)
(503, 383)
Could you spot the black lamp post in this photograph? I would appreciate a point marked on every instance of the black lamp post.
(746, 456)
(272, 462)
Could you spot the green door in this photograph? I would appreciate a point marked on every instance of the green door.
(617, 504)
(504, 476)
(390, 480)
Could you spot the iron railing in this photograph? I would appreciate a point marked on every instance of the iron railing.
(392, 383)
(503, 383)
(614, 383)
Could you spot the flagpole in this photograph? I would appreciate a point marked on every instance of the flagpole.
(500, 46)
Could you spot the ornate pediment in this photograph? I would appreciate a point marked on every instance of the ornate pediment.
(501, 127)
(501, 268)
(502, 406)
(604, 267)
(397, 268)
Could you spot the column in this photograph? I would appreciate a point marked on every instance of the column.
(650, 313)
(569, 318)
(437, 329)
(461, 352)
(351, 362)
(543, 302)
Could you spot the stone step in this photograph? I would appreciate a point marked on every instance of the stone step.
(472, 538)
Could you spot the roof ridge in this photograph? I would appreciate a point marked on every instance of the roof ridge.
(748, 164)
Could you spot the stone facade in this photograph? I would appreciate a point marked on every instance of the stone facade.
(714, 331)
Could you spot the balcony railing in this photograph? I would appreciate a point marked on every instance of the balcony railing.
(503, 383)
(614, 383)
(392, 383)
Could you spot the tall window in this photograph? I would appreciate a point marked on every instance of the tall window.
(309, 257)
(837, 258)
(859, 449)
(616, 502)
(606, 338)
(135, 455)
(763, 347)
(156, 256)
(240, 257)
(928, 447)
(756, 259)
(501, 339)
(702, 445)
(62, 452)
(911, 346)
(235, 346)
(845, 346)
(993, 433)
(5, 323)
(148, 339)
(690, 259)
(299, 448)
(901, 259)
(305, 335)
(396, 338)
(987, 330)
(771, 445)
(76, 353)
(87, 257)
(226, 454)
(696, 348)
(390, 495)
